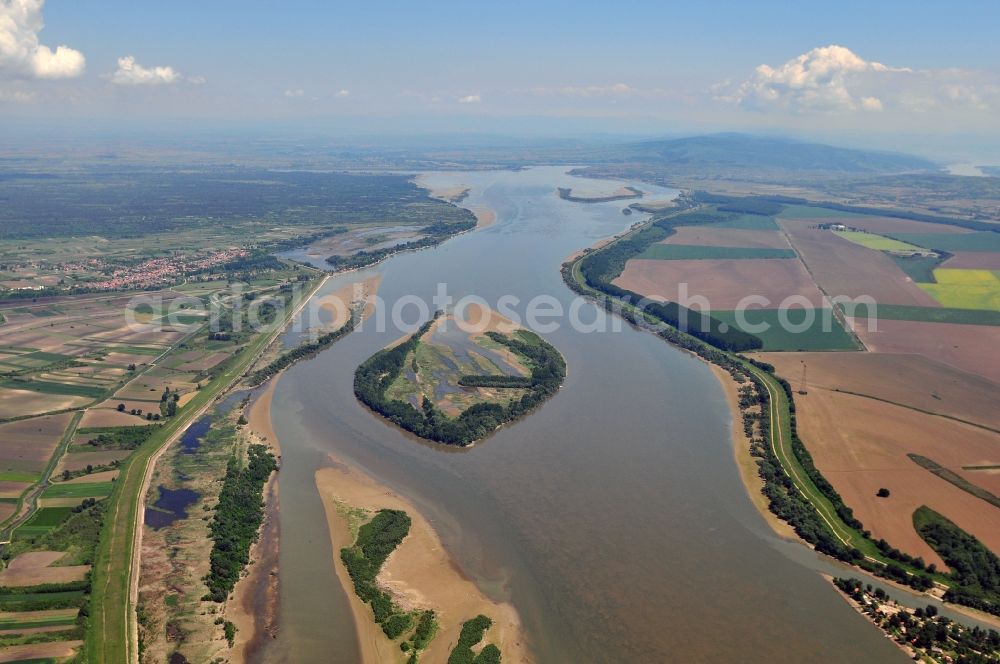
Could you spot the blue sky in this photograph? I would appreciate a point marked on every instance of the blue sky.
(903, 69)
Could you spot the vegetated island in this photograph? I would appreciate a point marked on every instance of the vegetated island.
(456, 387)
(409, 599)
(620, 194)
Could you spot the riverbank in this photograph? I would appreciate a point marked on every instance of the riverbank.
(746, 463)
(253, 606)
(419, 573)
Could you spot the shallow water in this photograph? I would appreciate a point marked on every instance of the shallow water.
(613, 517)
(171, 506)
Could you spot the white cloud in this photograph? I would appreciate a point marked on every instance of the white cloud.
(616, 90)
(130, 72)
(17, 96)
(22, 54)
(298, 92)
(470, 99)
(831, 78)
(344, 93)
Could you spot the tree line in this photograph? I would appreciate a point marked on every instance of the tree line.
(302, 351)
(238, 516)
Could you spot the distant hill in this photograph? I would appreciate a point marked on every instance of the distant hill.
(740, 151)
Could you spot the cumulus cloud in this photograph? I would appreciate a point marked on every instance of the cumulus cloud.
(130, 72)
(470, 99)
(344, 93)
(831, 78)
(22, 54)
(298, 92)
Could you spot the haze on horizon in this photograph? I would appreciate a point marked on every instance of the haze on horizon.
(918, 78)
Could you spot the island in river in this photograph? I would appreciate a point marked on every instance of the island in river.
(456, 382)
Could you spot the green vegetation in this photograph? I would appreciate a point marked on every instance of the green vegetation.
(696, 252)
(376, 374)
(119, 438)
(956, 479)
(472, 633)
(920, 268)
(936, 638)
(18, 476)
(238, 516)
(459, 220)
(376, 540)
(975, 570)
(16, 624)
(566, 194)
(46, 387)
(43, 520)
(303, 351)
(748, 222)
(77, 535)
(878, 242)
(928, 314)
(824, 332)
(952, 242)
(78, 490)
(45, 596)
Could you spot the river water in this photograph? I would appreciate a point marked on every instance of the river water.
(613, 518)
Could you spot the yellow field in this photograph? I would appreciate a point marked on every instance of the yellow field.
(879, 242)
(966, 289)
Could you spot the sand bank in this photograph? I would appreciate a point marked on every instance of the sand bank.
(420, 573)
(745, 462)
(484, 216)
(254, 602)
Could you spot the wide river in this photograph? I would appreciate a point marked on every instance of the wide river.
(613, 518)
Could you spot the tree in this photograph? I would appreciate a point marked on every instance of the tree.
(883, 493)
(121, 408)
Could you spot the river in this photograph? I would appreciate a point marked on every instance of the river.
(613, 518)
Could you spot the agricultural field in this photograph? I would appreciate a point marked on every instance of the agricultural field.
(964, 347)
(973, 260)
(927, 314)
(718, 236)
(879, 242)
(861, 445)
(27, 445)
(795, 329)
(966, 289)
(976, 241)
(670, 252)
(843, 268)
(723, 283)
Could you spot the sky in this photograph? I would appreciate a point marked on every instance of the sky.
(923, 76)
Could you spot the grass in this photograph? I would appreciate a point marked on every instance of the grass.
(878, 242)
(697, 252)
(17, 624)
(81, 490)
(931, 314)
(44, 520)
(109, 633)
(45, 387)
(824, 333)
(24, 601)
(918, 268)
(966, 289)
(18, 476)
(952, 242)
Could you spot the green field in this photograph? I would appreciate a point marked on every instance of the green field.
(975, 241)
(697, 252)
(878, 242)
(824, 333)
(966, 289)
(931, 314)
(918, 268)
(81, 490)
(749, 222)
(18, 476)
(17, 624)
(46, 387)
(43, 520)
(21, 601)
(810, 212)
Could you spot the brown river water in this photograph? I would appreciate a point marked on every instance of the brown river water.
(613, 518)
